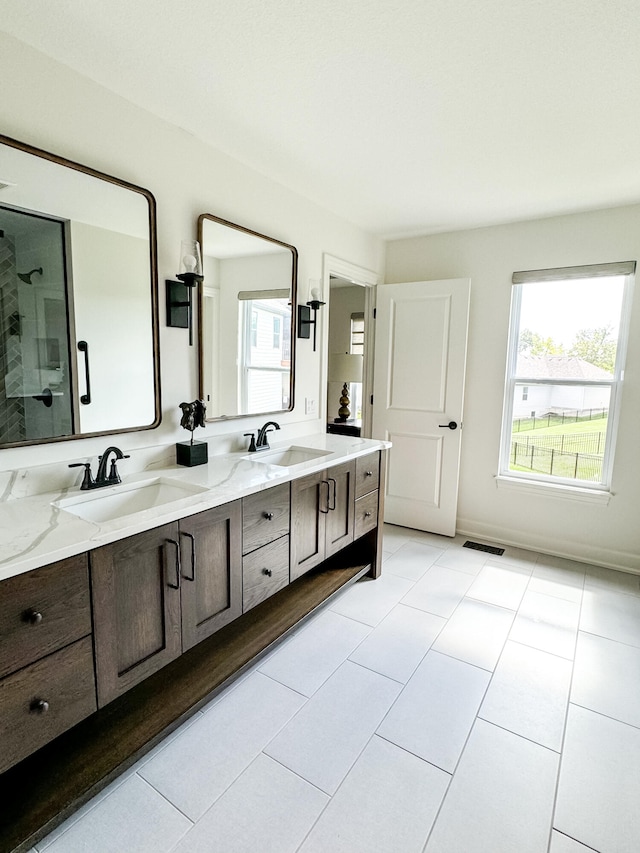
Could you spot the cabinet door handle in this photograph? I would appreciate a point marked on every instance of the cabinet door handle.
(331, 480)
(193, 555)
(175, 585)
(268, 516)
(325, 483)
(40, 706)
(267, 572)
(33, 617)
(85, 399)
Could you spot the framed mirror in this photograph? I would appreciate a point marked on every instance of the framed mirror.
(78, 305)
(246, 321)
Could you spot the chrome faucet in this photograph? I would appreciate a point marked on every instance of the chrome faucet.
(101, 475)
(261, 440)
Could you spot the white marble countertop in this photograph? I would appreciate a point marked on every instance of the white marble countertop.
(35, 531)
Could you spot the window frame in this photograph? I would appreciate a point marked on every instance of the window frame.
(624, 269)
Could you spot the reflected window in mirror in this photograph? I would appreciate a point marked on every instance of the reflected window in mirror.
(246, 321)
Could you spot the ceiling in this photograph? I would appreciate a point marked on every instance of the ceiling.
(403, 116)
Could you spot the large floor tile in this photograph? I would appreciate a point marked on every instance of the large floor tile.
(555, 587)
(463, 559)
(267, 809)
(501, 797)
(501, 585)
(324, 739)
(386, 804)
(433, 716)
(560, 578)
(196, 767)
(528, 694)
(370, 600)
(398, 644)
(439, 591)
(563, 844)
(313, 654)
(394, 536)
(476, 633)
(612, 615)
(412, 560)
(599, 787)
(607, 678)
(547, 623)
(518, 557)
(132, 817)
(609, 580)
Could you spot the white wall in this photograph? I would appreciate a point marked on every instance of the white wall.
(46, 104)
(606, 534)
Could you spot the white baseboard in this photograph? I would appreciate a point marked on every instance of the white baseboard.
(624, 561)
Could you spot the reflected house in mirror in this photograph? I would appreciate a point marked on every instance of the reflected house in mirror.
(246, 322)
(78, 310)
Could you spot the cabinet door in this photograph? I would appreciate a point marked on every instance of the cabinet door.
(309, 509)
(339, 519)
(136, 608)
(211, 547)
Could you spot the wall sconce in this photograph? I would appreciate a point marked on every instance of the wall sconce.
(345, 368)
(304, 316)
(180, 293)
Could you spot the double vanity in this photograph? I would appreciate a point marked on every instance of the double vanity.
(124, 609)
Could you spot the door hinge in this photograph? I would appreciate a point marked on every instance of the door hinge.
(374, 313)
(372, 399)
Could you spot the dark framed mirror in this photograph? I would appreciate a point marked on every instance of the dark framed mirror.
(78, 301)
(246, 323)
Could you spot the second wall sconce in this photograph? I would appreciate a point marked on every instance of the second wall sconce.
(304, 316)
(180, 293)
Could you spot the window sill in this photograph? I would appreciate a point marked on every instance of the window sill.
(553, 490)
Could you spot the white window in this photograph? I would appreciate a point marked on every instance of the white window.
(567, 345)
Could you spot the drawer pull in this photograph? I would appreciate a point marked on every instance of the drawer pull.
(41, 706)
(267, 572)
(33, 617)
(367, 514)
(368, 473)
(268, 516)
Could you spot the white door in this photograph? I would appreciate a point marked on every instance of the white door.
(420, 353)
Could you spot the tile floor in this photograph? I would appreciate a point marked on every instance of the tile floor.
(463, 703)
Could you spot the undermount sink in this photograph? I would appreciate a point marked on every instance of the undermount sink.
(114, 502)
(286, 457)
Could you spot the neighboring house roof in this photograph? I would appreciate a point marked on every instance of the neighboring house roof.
(559, 367)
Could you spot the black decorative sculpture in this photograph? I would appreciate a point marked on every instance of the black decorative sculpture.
(193, 452)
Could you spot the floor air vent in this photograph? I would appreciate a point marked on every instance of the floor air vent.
(490, 549)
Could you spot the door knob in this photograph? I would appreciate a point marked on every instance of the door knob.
(450, 425)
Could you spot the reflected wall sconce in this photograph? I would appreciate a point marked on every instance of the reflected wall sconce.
(180, 293)
(304, 316)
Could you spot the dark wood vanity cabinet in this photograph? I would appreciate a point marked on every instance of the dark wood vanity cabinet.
(46, 657)
(136, 608)
(265, 544)
(211, 571)
(183, 608)
(159, 593)
(322, 516)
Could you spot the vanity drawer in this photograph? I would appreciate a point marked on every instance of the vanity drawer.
(265, 517)
(42, 611)
(367, 473)
(43, 700)
(366, 514)
(264, 572)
